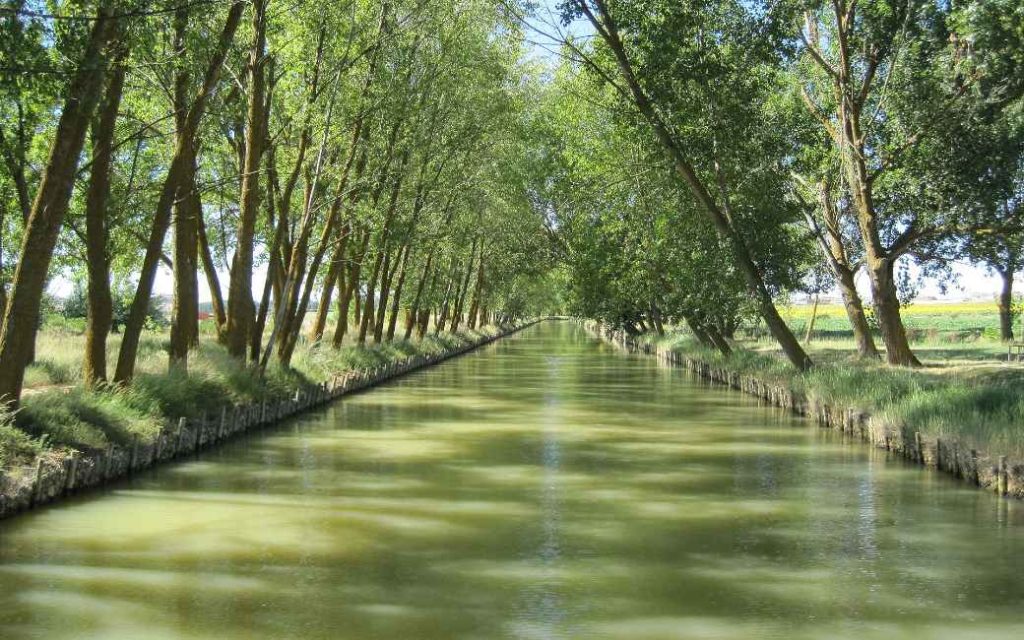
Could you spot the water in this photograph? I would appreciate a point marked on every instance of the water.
(544, 487)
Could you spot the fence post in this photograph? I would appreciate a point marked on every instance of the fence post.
(37, 491)
(181, 434)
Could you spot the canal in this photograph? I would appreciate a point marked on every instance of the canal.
(545, 486)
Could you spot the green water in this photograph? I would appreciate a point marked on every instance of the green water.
(544, 487)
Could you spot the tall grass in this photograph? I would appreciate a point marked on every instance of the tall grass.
(982, 408)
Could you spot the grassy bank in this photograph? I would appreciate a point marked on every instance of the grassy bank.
(962, 394)
(58, 415)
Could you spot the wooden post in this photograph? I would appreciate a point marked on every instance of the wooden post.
(159, 444)
(72, 473)
(181, 434)
(918, 446)
(1003, 482)
(110, 461)
(134, 460)
(222, 427)
(37, 492)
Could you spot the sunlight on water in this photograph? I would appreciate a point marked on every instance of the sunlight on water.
(543, 487)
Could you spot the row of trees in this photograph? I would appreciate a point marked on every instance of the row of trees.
(364, 155)
(714, 155)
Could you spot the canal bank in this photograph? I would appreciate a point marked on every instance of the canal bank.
(544, 486)
(57, 474)
(990, 471)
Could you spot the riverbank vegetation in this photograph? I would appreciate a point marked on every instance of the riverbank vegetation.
(89, 419)
(714, 161)
(308, 176)
(728, 156)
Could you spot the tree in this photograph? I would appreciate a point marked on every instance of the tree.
(21, 317)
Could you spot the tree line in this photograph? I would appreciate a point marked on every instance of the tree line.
(714, 156)
(361, 158)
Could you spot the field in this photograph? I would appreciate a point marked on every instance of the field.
(925, 321)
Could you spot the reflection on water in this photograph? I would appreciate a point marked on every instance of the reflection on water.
(544, 487)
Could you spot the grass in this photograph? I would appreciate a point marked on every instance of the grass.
(57, 413)
(965, 391)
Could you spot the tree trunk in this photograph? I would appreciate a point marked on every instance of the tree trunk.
(385, 233)
(414, 311)
(474, 307)
(51, 205)
(371, 287)
(866, 348)
(184, 321)
(397, 297)
(887, 311)
(716, 339)
(334, 278)
(461, 300)
(3, 278)
(741, 254)
(424, 324)
(162, 218)
(241, 307)
(698, 332)
(814, 316)
(212, 279)
(830, 242)
(100, 315)
(452, 281)
(350, 291)
(1006, 304)
(391, 266)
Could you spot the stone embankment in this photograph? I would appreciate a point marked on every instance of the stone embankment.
(995, 473)
(59, 474)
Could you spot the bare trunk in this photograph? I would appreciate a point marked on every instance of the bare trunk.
(698, 331)
(333, 279)
(452, 282)
(371, 286)
(241, 308)
(184, 328)
(858, 319)
(718, 340)
(100, 315)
